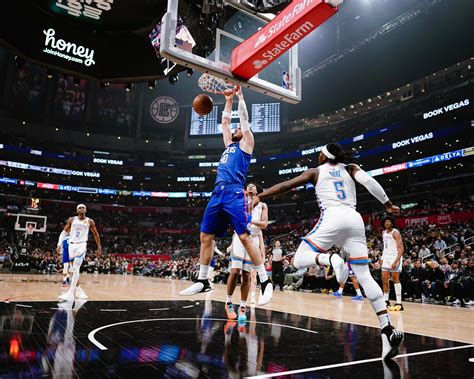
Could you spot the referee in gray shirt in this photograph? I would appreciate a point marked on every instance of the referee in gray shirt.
(277, 265)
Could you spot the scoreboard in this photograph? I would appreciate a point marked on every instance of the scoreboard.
(265, 118)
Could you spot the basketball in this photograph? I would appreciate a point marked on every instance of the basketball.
(203, 104)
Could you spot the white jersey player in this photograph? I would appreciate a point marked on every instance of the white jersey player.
(241, 260)
(78, 228)
(392, 262)
(340, 224)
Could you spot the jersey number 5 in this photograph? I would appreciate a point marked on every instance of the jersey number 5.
(339, 186)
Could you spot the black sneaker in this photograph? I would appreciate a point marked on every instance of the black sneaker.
(202, 285)
(391, 340)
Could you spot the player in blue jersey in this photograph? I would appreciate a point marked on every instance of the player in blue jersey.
(63, 249)
(228, 204)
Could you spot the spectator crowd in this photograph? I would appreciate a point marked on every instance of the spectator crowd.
(438, 262)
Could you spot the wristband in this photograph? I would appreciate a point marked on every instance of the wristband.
(226, 114)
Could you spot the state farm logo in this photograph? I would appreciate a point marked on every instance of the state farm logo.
(290, 38)
(258, 64)
(260, 40)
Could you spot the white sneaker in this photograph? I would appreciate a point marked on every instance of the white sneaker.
(266, 292)
(66, 296)
(199, 286)
(340, 268)
(470, 303)
(457, 302)
(80, 294)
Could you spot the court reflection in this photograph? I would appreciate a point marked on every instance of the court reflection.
(59, 359)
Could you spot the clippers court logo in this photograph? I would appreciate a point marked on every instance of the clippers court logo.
(164, 110)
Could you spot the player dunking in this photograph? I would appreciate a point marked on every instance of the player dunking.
(392, 262)
(340, 224)
(78, 228)
(241, 262)
(228, 204)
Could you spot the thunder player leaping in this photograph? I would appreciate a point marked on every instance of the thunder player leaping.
(340, 224)
(227, 204)
(78, 229)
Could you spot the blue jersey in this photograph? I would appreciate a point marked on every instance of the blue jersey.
(233, 166)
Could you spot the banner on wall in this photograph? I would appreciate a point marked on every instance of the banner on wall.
(437, 219)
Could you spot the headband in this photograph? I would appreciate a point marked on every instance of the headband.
(327, 153)
(80, 205)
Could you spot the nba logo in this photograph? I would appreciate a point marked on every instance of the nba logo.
(285, 80)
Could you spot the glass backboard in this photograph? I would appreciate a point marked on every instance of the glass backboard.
(216, 34)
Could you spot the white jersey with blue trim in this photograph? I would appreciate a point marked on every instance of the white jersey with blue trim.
(79, 230)
(390, 249)
(335, 186)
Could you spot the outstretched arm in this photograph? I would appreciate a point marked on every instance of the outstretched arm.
(226, 118)
(372, 186)
(248, 141)
(309, 176)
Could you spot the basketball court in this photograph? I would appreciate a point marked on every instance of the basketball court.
(138, 326)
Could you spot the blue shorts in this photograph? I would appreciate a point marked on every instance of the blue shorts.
(228, 205)
(65, 252)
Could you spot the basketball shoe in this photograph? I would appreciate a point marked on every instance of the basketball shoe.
(391, 340)
(266, 295)
(202, 285)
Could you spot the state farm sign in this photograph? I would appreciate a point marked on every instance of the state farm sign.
(294, 23)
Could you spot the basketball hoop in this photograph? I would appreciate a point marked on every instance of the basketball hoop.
(215, 85)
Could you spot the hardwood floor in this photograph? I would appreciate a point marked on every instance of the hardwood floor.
(429, 320)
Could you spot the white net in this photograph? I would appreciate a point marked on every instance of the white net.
(215, 85)
(30, 228)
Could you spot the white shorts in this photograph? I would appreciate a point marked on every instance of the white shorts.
(77, 250)
(240, 258)
(341, 226)
(388, 262)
